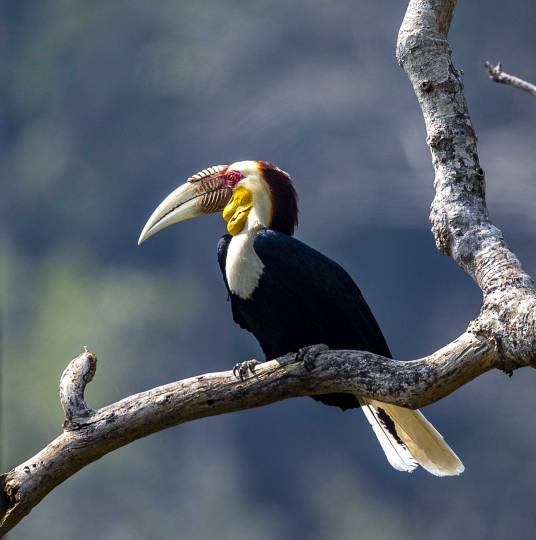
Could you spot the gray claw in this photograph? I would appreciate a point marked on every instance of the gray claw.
(243, 369)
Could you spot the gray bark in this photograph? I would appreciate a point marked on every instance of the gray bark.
(503, 336)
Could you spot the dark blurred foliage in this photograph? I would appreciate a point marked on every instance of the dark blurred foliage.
(106, 107)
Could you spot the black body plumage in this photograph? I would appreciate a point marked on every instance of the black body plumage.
(303, 298)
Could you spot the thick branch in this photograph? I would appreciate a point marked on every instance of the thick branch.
(459, 216)
(499, 76)
(503, 336)
(315, 370)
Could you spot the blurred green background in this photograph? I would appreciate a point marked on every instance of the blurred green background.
(106, 107)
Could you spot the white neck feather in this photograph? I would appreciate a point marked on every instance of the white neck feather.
(243, 267)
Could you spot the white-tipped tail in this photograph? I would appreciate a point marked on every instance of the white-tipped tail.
(409, 440)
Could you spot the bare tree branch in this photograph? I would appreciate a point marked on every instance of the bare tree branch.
(88, 435)
(459, 216)
(502, 336)
(499, 76)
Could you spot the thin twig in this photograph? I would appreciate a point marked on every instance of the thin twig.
(499, 76)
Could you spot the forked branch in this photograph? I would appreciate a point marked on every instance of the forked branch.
(503, 336)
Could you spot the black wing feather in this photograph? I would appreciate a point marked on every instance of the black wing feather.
(320, 293)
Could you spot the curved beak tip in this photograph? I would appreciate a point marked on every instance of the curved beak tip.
(143, 237)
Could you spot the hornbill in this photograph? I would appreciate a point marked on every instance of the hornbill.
(289, 295)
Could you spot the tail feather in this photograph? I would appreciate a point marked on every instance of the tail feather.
(397, 454)
(409, 440)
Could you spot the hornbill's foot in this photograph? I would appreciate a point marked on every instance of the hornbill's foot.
(243, 369)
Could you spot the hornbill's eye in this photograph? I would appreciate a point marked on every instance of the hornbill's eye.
(233, 177)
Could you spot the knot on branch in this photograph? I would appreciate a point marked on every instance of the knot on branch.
(441, 230)
(507, 322)
(426, 86)
(73, 383)
(494, 72)
(308, 355)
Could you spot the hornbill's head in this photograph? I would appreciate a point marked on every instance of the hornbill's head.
(250, 194)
